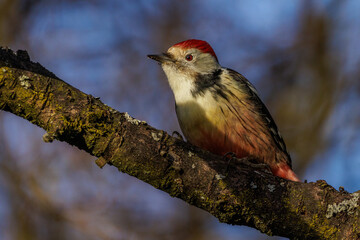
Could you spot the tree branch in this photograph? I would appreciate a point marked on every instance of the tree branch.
(235, 194)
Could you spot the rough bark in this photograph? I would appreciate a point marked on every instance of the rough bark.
(234, 192)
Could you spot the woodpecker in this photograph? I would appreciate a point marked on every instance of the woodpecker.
(219, 110)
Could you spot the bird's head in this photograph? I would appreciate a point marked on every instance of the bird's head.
(190, 57)
(186, 60)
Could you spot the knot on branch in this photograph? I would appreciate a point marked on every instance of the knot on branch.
(21, 60)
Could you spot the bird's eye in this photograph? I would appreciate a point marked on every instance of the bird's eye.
(189, 57)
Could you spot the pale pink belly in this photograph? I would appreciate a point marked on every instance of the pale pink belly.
(215, 141)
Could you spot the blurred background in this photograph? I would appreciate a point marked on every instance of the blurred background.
(302, 56)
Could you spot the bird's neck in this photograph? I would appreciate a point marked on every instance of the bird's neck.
(181, 84)
(188, 87)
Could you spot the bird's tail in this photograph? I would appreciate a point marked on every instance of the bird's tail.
(284, 171)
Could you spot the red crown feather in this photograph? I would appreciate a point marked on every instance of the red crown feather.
(198, 44)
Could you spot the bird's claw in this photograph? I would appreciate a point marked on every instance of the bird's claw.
(248, 161)
(229, 155)
(177, 135)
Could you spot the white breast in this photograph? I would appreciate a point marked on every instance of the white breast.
(180, 84)
(194, 113)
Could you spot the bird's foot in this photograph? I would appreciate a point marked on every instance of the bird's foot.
(248, 161)
(251, 162)
(177, 135)
(229, 155)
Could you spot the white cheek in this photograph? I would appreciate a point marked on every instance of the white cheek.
(180, 84)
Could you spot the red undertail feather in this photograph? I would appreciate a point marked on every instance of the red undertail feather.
(284, 171)
(198, 44)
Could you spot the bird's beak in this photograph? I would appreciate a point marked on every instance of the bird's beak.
(162, 58)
